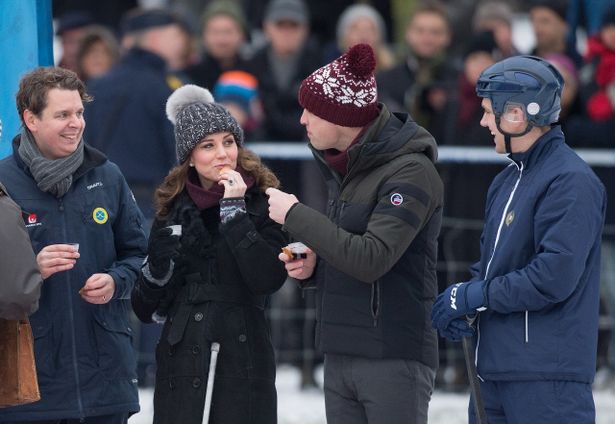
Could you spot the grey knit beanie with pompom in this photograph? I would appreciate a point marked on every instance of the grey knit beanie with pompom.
(195, 114)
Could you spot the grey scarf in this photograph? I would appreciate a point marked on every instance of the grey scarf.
(53, 176)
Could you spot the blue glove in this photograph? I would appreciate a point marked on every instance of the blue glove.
(457, 329)
(457, 301)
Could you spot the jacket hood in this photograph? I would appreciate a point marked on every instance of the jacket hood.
(391, 135)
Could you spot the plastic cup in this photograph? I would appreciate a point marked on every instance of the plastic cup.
(176, 230)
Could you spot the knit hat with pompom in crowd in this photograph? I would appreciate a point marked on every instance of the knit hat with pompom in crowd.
(343, 92)
(195, 115)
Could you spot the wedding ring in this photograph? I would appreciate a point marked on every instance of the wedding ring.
(230, 182)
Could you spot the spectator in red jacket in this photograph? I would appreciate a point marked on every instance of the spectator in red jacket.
(601, 53)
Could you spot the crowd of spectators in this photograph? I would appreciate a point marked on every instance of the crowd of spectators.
(254, 54)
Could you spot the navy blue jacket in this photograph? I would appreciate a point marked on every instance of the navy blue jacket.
(84, 358)
(540, 256)
(127, 119)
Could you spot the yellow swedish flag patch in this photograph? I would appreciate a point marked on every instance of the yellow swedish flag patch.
(100, 215)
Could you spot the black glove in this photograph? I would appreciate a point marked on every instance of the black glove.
(162, 249)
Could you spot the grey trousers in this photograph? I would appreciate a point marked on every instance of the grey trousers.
(376, 391)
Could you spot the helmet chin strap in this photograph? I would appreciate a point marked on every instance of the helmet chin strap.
(508, 136)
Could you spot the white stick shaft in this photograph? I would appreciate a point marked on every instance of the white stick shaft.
(215, 348)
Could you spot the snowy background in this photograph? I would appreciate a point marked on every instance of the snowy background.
(297, 406)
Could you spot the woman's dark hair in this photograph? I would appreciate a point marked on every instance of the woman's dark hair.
(175, 181)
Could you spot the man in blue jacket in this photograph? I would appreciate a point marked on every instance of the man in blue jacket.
(70, 193)
(535, 290)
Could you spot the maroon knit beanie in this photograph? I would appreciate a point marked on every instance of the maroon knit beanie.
(343, 92)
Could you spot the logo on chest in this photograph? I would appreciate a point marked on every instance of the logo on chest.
(510, 217)
(30, 219)
(100, 215)
(94, 185)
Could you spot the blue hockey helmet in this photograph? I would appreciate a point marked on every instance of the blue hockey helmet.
(528, 81)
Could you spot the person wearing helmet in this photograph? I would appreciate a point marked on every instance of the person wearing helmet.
(534, 293)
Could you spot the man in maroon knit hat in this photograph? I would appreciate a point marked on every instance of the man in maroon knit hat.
(372, 258)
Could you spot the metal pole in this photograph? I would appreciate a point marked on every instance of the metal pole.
(215, 348)
(479, 407)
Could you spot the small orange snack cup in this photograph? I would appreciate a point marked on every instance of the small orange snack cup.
(286, 250)
(295, 251)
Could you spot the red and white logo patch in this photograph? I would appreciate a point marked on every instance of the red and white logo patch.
(32, 218)
(397, 199)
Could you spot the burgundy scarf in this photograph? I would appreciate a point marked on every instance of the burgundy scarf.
(338, 161)
(204, 198)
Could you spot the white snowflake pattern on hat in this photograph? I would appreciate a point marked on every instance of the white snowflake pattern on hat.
(343, 91)
(327, 82)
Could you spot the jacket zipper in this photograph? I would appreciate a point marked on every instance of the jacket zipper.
(495, 244)
(375, 302)
(503, 218)
(71, 313)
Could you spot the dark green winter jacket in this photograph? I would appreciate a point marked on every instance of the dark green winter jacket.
(377, 246)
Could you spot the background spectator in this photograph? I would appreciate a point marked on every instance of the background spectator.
(361, 23)
(571, 104)
(238, 92)
(481, 52)
(126, 120)
(601, 54)
(459, 14)
(596, 127)
(551, 29)
(496, 16)
(107, 13)
(280, 66)
(185, 56)
(586, 14)
(223, 36)
(71, 27)
(422, 82)
(97, 51)
(324, 25)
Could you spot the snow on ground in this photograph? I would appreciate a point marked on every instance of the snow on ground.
(297, 406)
